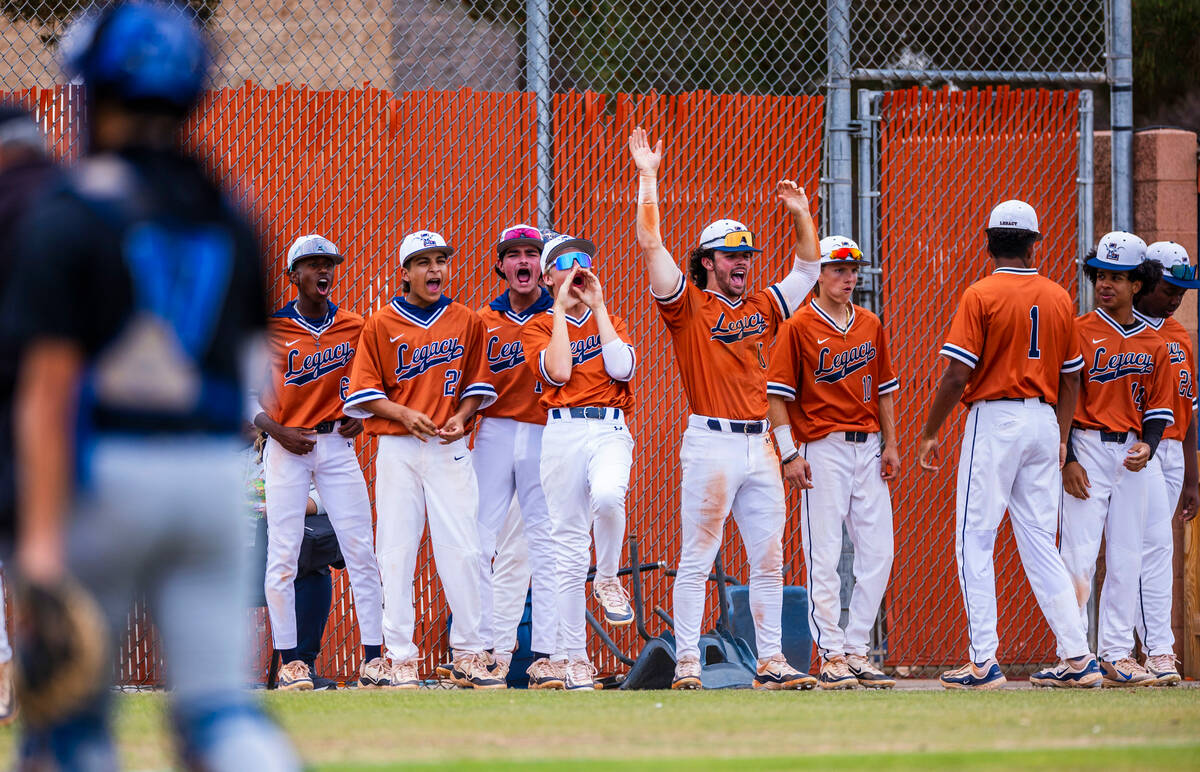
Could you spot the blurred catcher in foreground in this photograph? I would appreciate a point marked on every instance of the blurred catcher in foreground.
(138, 298)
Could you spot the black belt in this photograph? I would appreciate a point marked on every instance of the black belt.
(325, 427)
(1113, 436)
(1017, 399)
(600, 413)
(740, 427)
(856, 436)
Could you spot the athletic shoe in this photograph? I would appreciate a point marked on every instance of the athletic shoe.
(1162, 667)
(404, 675)
(972, 676)
(294, 677)
(867, 674)
(835, 674)
(775, 673)
(687, 674)
(8, 695)
(322, 684)
(470, 671)
(444, 670)
(1084, 675)
(581, 675)
(375, 673)
(544, 674)
(1125, 672)
(612, 596)
(500, 668)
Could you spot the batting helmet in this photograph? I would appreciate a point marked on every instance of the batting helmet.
(139, 53)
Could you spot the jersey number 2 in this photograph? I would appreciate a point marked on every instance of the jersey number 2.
(451, 381)
(1034, 351)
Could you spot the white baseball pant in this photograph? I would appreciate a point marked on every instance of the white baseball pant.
(332, 465)
(508, 458)
(1009, 459)
(1115, 509)
(847, 488)
(511, 573)
(1158, 547)
(585, 475)
(413, 480)
(724, 470)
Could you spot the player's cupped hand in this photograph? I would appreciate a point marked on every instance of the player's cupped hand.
(590, 291)
(418, 424)
(792, 196)
(1075, 480)
(452, 430)
(928, 454)
(564, 290)
(293, 440)
(350, 427)
(645, 158)
(889, 464)
(798, 472)
(1137, 457)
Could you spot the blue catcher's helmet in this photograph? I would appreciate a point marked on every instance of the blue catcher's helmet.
(139, 52)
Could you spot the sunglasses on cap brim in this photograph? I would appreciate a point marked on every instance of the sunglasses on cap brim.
(1182, 271)
(737, 241)
(521, 233)
(564, 261)
(846, 253)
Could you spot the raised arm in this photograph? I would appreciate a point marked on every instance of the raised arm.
(664, 273)
(807, 264)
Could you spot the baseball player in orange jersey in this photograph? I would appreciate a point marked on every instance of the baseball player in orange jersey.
(1126, 401)
(1012, 359)
(1178, 490)
(720, 333)
(418, 378)
(585, 362)
(312, 344)
(508, 451)
(831, 380)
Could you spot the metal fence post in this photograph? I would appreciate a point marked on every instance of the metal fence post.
(1086, 179)
(866, 191)
(537, 74)
(1120, 57)
(837, 136)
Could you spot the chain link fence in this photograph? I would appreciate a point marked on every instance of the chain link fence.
(364, 121)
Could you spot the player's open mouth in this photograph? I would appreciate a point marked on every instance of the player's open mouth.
(323, 286)
(433, 285)
(524, 274)
(738, 274)
(577, 281)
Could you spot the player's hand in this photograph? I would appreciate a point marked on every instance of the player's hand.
(793, 197)
(418, 424)
(293, 440)
(350, 427)
(645, 158)
(40, 559)
(889, 464)
(1075, 480)
(452, 430)
(1137, 457)
(798, 473)
(1189, 500)
(928, 455)
(564, 290)
(590, 292)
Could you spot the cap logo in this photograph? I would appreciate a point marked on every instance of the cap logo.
(1112, 253)
(428, 240)
(1013, 223)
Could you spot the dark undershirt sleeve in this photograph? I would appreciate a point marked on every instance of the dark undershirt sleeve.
(1152, 432)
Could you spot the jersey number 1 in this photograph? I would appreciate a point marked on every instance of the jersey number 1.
(1034, 351)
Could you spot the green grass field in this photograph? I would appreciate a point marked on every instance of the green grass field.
(904, 730)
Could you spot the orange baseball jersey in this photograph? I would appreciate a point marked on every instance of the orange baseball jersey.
(427, 359)
(720, 347)
(1127, 375)
(1015, 329)
(310, 365)
(1183, 372)
(590, 385)
(832, 378)
(518, 389)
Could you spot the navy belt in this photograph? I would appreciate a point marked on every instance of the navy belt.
(1113, 436)
(856, 436)
(325, 427)
(600, 413)
(739, 427)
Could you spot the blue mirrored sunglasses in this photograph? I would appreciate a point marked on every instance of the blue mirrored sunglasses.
(1183, 272)
(563, 262)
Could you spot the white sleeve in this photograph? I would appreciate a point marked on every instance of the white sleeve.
(619, 359)
(797, 284)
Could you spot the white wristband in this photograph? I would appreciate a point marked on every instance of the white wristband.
(647, 189)
(783, 440)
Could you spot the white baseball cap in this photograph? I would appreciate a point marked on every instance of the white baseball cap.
(1119, 251)
(847, 250)
(420, 242)
(312, 246)
(564, 243)
(727, 236)
(1014, 214)
(1176, 265)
